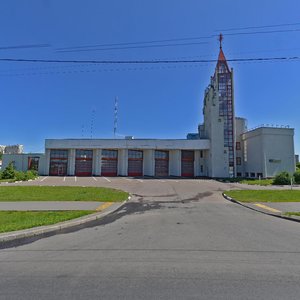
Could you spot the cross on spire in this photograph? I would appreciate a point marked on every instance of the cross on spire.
(220, 40)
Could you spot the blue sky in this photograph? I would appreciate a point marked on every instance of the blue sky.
(40, 100)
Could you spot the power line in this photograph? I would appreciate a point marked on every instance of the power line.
(261, 32)
(258, 27)
(134, 43)
(145, 44)
(133, 47)
(139, 68)
(25, 46)
(145, 61)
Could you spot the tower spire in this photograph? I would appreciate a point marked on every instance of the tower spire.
(220, 39)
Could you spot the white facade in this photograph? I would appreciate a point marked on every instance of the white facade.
(268, 151)
(147, 146)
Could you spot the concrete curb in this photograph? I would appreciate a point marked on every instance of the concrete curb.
(41, 230)
(281, 216)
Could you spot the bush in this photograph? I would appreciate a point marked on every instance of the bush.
(8, 172)
(282, 178)
(298, 166)
(297, 177)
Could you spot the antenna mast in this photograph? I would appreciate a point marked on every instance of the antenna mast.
(116, 117)
(92, 122)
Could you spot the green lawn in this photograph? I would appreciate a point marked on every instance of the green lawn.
(265, 195)
(7, 180)
(262, 182)
(17, 220)
(60, 193)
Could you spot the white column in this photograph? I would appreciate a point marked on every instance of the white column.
(71, 162)
(47, 162)
(175, 162)
(123, 162)
(148, 163)
(97, 162)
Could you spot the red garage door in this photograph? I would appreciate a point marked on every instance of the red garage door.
(161, 163)
(109, 162)
(135, 163)
(58, 162)
(83, 162)
(187, 163)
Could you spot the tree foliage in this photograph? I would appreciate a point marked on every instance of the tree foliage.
(282, 178)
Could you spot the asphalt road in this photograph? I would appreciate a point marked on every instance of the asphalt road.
(177, 239)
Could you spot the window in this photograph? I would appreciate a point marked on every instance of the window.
(246, 174)
(239, 174)
(238, 146)
(201, 153)
(238, 161)
(201, 168)
(57, 153)
(252, 175)
(33, 163)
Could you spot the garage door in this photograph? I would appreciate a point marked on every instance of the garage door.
(109, 162)
(83, 162)
(135, 163)
(187, 163)
(58, 162)
(161, 163)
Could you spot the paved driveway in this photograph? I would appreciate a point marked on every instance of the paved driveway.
(178, 239)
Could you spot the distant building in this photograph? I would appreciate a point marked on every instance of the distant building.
(223, 146)
(11, 149)
(297, 159)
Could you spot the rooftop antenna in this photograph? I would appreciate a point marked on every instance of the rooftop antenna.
(116, 117)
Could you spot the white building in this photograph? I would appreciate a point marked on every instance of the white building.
(222, 147)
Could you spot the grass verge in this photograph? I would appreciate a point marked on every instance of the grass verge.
(18, 220)
(265, 195)
(60, 193)
(292, 213)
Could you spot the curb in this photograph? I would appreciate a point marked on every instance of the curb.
(48, 229)
(281, 216)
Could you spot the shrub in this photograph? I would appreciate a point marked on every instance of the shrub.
(282, 178)
(20, 176)
(9, 172)
(297, 177)
(298, 166)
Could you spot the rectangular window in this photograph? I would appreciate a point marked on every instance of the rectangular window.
(246, 174)
(201, 168)
(238, 146)
(201, 153)
(238, 174)
(33, 163)
(252, 175)
(238, 161)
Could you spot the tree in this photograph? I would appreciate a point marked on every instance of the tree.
(297, 176)
(282, 178)
(9, 172)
